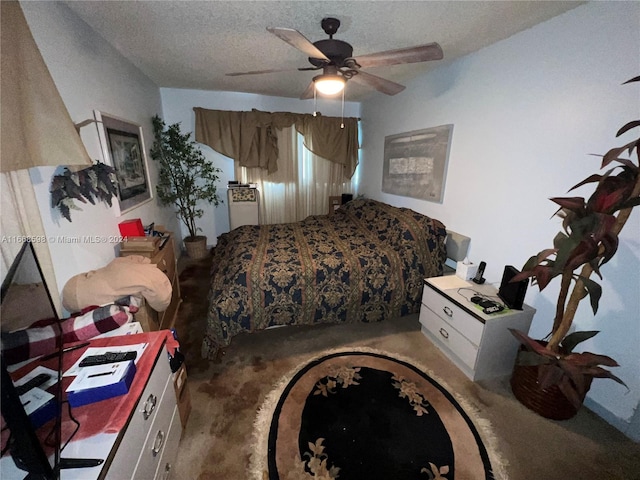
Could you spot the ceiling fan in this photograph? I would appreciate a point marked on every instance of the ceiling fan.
(334, 58)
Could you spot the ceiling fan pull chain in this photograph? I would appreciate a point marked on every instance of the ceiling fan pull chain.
(315, 98)
(342, 116)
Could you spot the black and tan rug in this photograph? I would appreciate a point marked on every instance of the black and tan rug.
(365, 415)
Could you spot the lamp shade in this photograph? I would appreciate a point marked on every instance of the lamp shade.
(329, 84)
(36, 128)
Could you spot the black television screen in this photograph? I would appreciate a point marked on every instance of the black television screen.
(25, 299)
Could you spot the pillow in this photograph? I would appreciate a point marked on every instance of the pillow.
(40, 339)
(123, 276)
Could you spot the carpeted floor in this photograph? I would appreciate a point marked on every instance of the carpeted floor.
(217, 442)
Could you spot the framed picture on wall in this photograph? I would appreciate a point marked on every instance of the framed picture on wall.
(415, 163)
(123, 148)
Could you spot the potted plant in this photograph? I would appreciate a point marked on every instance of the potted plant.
(549, 377)
(186, 179)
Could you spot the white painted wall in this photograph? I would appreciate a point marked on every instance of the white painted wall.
(90, 75)
(527, 112)
(178, 104)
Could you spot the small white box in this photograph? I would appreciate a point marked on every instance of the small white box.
(466, 271)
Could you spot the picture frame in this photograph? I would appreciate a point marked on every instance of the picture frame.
(415, 163)
(123, 148)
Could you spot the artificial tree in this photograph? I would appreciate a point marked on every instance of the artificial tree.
(589, 240)
(186, 179)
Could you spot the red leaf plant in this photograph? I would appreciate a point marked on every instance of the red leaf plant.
(588, 240)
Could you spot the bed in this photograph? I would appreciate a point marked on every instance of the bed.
(363, 263)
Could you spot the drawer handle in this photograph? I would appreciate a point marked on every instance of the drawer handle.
(158, 442)
(444, 333)
(149, 406)
(448, 312)
(167, 470)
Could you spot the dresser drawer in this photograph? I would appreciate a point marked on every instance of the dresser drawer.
(157, 437)
(170, 449)
(443, 332)
(461, 320)
(166, 318)
(144, 414)
(166, 260)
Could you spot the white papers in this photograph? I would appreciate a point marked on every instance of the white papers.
(34, 399)
(37, 371)
(76, 369)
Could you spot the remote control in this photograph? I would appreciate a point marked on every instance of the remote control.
(108, 357)
(33, 383)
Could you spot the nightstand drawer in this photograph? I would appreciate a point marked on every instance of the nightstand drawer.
(465, 323)
(464, 350)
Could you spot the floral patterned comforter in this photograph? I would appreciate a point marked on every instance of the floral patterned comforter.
(364, 263)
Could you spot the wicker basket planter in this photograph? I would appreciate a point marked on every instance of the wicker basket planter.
(547, 402)
(196, 247)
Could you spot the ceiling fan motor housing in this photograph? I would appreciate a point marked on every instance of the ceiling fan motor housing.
(337, 58)
(335, 50)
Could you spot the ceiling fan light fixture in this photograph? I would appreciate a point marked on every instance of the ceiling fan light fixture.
(329, 84)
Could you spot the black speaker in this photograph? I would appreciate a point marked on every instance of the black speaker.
(512, 293)
(346, 197)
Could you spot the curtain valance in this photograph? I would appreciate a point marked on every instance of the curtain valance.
(250, 137)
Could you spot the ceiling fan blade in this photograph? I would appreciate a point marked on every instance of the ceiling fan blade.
(421, 53)
(382, 85)
(299, 41)
(274, 70)
(256, 72)
(308, 93)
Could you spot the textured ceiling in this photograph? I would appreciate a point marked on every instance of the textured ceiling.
(193, 44)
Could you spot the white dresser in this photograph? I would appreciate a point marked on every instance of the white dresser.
(150, 443)
(135, 435)
(480, 345)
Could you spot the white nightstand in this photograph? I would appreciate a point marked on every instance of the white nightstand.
(480, 345)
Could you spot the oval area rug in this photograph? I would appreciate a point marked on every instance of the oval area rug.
(364, 415)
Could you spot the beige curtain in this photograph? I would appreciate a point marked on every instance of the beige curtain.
(36, 127)
(302, 184)
(331, 138)
(251, 138)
